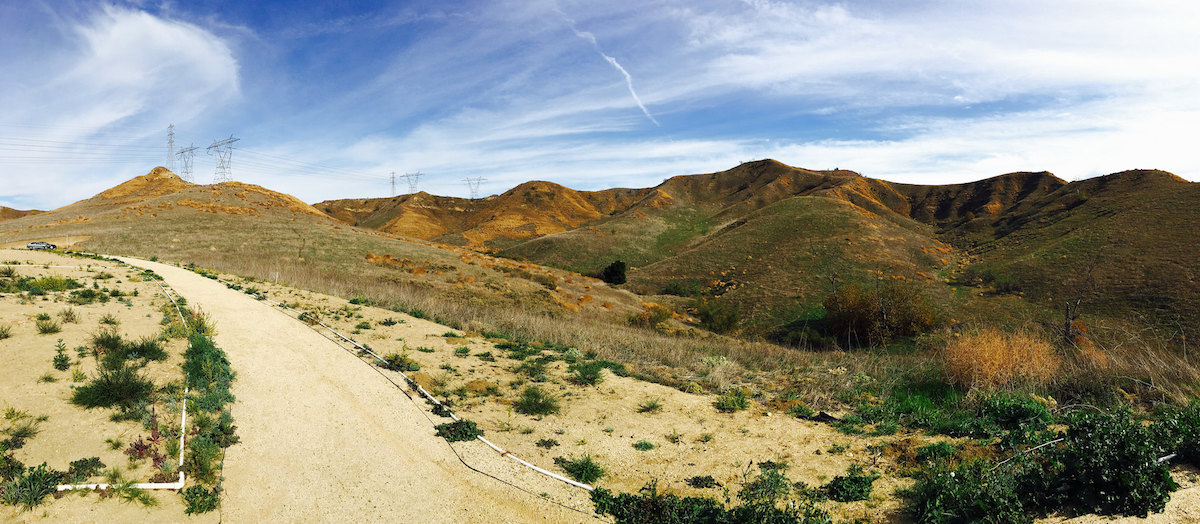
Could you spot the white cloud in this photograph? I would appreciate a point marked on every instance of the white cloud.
(109, 81)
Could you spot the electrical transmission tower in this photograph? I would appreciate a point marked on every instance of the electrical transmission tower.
(473, 185)
(223, 151)
(171, 147)
(185, 156)
(412, 179)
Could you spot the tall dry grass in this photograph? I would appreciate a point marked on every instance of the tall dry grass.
(671, 359)
(990, 359)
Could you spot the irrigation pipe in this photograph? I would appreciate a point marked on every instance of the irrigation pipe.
(177, 485)
(423, 393)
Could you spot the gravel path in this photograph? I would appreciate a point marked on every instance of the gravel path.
(324, 438)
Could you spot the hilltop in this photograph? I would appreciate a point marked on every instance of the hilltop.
(8, 213)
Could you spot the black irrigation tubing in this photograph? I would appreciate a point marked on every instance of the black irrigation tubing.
(412, 383)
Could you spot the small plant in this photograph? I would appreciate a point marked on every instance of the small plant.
(582, 469)
(705, 438)
(109, 320)
(535, 401)
(854, 485)
(84, 469)
(486, 356)
(732, 401)
(69, 316)
(652, 405)
(587, 373)
(120, 386)
(801, 410)
(462, 430)
(61, 361)
(77, 375)
(48, 378)
(424, 349)
(644, 445)
(200, 499)
(363, 325)
(451, 334)
(702, 482)
(389, 322)
(5, 331)
(28, 490)
(399, 362)
(674, 437)
(462, 351)
(546, 443)
(114, 444)
(47, 326)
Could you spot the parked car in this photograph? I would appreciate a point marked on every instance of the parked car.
(40, 245)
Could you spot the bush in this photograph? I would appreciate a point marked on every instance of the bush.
(534, 401)
(718, 317)
(1112, 467)
(118, 386)
(991, 359)
(651, 317)
(731, 401)
(650, 406)
(208, 373)
(587, 373)
(854, 485)
(582, 469)
(877, 316)
(460, 431)
(644, 445)
(614, 273)
(200, 499)
(971, 493)
(47, 326)
(546, 443)
(397, 362)
(83, 469)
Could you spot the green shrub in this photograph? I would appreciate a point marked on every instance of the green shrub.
(732, 400)
(10, 467)
(201, 462)
(363, 325)
(47, 326)
(546, 443)
(587, 373)
(1177, 430)
(397, 362)
(582, 469)
(117, 386)
(462, 430)
(801, 410)
(854, 485)
(1111, 466)
(5, 331)
(644, 445)
(208, 373)
(29, 489)
(200, 499)
(83, 469)
(936, 451)
(971, 493)
(702, 482)
(652, 405)
(718, 317)
(462, 351)
(535, 401)
(614, 273)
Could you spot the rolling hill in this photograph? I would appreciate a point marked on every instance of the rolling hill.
(8, 213)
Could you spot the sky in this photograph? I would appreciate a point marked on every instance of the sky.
(329, 99)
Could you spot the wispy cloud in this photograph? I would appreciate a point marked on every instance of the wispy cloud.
(617, 65)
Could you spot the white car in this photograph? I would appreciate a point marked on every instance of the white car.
(40, 245)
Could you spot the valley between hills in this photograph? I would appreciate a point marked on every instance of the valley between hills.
(766, 342)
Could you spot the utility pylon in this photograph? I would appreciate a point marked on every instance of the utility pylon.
(473, 185)
(223, 151)
(171, 147)
(185, 156)
(412, 179)
(393, 183)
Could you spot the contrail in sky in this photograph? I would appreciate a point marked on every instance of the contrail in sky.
(628, 79)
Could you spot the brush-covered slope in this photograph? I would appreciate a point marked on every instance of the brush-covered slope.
(530, 210)
(251, 230)
(1124, 243)
(672, 216)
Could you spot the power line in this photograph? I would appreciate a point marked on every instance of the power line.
(412, 179)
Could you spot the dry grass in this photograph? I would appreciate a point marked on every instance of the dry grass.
(991, 359)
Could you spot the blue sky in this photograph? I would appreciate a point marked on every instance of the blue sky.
(328, 98)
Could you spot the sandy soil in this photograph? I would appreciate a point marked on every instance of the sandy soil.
(69, 432)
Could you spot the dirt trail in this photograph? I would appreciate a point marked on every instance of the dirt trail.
(323, 438)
